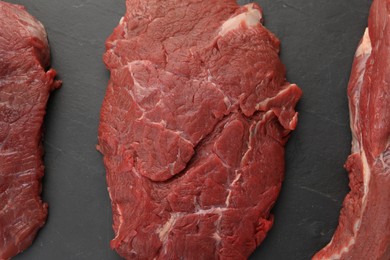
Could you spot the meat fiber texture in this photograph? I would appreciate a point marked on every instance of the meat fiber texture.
(364, 224)
(193, 129)
(25, 86)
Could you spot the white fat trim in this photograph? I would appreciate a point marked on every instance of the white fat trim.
(357, 224)
(119, 210)
(138, 89)
(209, 77)
(344, 250)
(171, 167)
(163, 123)
(355, 99)
(365, 46)
(366, 178)
(167, 227)
(236, 179)
(238, 176)
(213, 210)
(254, 132)
(217, 237)
(355, 144)
(251, 17)
(227, 102)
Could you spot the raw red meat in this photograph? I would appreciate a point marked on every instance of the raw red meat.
(25, 86)
(364, 225)
(193, 129)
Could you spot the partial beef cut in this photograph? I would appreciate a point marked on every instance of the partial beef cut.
(193, 129)
(25, 86)
(364, 225)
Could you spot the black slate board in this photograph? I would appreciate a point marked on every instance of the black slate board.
(319, 38)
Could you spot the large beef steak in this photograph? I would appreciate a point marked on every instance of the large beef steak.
(25, 85)
(193, 129)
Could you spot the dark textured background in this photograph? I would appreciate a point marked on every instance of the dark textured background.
(319, 38)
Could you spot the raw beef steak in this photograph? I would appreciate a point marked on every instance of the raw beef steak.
(25, 86)
(364, 225)
(193, 129)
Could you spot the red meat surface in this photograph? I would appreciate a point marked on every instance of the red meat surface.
(25, 86)
(193, 128)
(364, 224)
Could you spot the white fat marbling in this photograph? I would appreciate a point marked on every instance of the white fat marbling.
(251, 17)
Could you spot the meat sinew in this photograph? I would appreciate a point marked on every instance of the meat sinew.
(24, 90)
(193, 129)
(364, 224)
